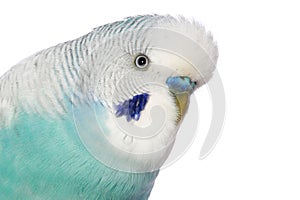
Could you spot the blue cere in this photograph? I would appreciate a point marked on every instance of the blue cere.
(132, 108)
(180, 84)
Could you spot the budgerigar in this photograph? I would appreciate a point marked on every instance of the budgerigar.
(96, 117)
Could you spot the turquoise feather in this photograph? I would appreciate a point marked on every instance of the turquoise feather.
(63, 168)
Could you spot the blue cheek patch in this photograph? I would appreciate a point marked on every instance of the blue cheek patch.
(180, 84)
(132, 108)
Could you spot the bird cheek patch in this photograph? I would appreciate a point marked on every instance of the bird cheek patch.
(132, 108)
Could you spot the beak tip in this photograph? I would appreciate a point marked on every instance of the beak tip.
(182, 102)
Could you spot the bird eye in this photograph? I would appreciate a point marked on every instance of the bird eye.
(141, 61)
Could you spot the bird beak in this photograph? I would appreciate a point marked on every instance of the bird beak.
(181, 87)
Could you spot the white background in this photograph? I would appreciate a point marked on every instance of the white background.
(258, 154)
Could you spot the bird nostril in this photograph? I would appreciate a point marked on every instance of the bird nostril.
(181, 84)
(193, 84)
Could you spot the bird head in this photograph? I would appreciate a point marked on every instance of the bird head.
(143, 70)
